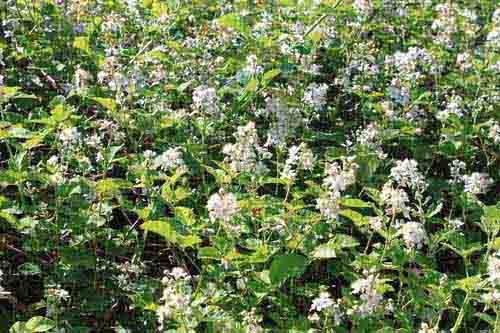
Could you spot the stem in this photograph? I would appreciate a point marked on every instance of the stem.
(321, 19)
(461, 315)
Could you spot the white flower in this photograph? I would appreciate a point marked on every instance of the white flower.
(464, 61)
(457, 168)
(414, 234)
(178, 273)
(369, 295)
(364, 7)
(395, 199)
(494, 132)
(454, 106)
(328, 206)
(205, 99)
(315, 95)
(222, 206)
(494, 268)
(300, 157)
(69, 135)
(426, 328)
(245, 153)
(477, 183)
(406, 174)
(375, 222)
(491, 297)
(169, 160)
(456, 223)
(322, 302)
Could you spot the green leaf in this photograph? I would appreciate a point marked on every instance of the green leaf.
(287, 266)
(189, 241)
(30, 269)
(74, 256)
(185, 214)
(234, 21)
(209, 252)
(82, 43)
(251, 86)
(269, 75)
(354, 216)
(162, 228)
(355, 203)
(470, 283)
(108, 103)
(330, 249)
(111, 186)
(40, 324)
(345, 241)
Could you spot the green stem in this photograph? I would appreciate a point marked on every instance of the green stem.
(461, 315)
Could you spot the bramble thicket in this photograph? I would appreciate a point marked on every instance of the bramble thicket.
(250, 166)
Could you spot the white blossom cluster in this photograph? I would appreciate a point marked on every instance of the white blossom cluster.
(325, 305)
(477, 183)
(224, 206)
(396, 200)
(337, 179)
(176, 302)
(370, 298)
(299, 158)
(246, 154)
(205, 100)
(406, 174)
(409, 64)
(286, 120)
(455, 107)
(315, 95)
(171, 159)
(494, 132)
(414, 234)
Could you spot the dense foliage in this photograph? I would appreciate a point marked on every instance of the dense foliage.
(249, 166)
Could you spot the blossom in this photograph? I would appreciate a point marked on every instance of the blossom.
(328, 206)
(477, 183)
(494, 268)
(205, 99)
(222, 206)
(370, 297)
(69, 135)
(494, 132)
(315, 95)
(406, 174)
(300, 157)
(395, 199)
(322, 302)
(457, 168)
(454, 107)
(169, 160)
(414, 234)
(244, 155)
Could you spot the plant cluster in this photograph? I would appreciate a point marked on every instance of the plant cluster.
(249, 166)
